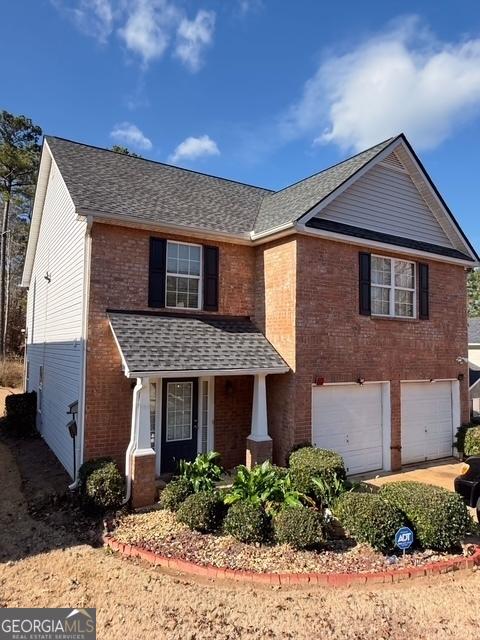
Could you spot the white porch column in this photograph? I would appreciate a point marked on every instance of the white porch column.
(259, 443)
(259, 430)
(142, 424)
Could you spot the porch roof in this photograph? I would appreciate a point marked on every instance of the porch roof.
(167, 344)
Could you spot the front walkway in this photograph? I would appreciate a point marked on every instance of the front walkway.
(438, 472)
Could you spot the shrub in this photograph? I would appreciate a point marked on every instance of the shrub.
(21, 411)
(472, 442)
(439, 517)
(174, 494)
(201, 511)
(299, 527)
(296, 447)
(104, 487)
(264, 485)
(203, 472)
(11, 372)
(247, 522)
(368, 518)
(88, 467)
(309, 463)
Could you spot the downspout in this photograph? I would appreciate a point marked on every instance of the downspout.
(133, 444)
(83, 339)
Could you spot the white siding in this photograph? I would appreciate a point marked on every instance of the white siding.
(54, 316)
(386, 200)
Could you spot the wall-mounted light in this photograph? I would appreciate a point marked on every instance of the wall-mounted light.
(461, 376)
(461, 359)
(319, 381)
(360, 380)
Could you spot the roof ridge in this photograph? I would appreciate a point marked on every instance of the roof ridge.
(157, 162)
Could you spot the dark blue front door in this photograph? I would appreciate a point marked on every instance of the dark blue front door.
(179, 422)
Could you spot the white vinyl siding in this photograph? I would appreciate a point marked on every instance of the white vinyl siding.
(386, 200)
(54, 316)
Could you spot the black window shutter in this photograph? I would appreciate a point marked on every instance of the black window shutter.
(157, 268)
(365, 283)
(210, 278)
(423, 295)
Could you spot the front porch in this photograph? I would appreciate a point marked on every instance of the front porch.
(200, 386)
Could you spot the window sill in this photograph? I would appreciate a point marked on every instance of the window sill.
(394, 318)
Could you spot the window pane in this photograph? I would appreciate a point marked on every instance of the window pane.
(381, 301)
(179, 411)
(194, 268)
(172, 250)
(381, 270)
(153, 413)
(404, 275)
(183, 266)
(183, 251)
(404, 303)
(172, 265)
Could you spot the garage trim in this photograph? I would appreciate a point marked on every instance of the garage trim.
(386, 416)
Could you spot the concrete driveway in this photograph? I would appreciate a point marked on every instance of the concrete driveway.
(438, 472)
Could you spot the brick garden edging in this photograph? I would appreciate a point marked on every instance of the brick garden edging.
(286, 579)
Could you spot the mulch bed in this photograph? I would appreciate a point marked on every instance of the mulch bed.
(158, 531)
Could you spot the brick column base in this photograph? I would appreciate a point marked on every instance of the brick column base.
(258, 452)
(143, 480)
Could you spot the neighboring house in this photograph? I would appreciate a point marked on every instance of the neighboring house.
(474, 362)
(187, 312)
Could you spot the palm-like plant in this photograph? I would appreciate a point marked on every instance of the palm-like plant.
(203, 472)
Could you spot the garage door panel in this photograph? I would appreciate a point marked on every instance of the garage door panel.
(426, 420)
(348, 419)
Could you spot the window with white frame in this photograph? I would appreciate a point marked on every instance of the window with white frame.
(393, 287)
(183, 275)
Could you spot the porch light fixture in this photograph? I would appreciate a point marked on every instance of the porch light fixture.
(461, 376)
(319, 381)
(360, 380)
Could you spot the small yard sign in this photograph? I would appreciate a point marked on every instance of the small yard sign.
(404, 538)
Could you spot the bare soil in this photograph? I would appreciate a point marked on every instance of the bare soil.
(43, 565)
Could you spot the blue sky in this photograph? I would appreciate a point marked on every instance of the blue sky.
(262, 91)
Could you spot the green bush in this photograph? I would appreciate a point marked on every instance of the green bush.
(368, 518)
(439, 517)
(104, 487)
(21, 412)
(174, 494)
(88, 467)
(203, 472)
(309, 463)
(472, 442)
(247, 522)
(201, 511)
(299, 527)
(264, 485)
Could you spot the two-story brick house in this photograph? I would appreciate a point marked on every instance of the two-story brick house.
(186, 312)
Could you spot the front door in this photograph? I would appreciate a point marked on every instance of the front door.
(179, 422)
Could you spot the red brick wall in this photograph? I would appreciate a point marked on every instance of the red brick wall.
(334, 341)
(233, 416)
(119, 280)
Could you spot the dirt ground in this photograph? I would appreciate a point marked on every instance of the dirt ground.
(43, 565)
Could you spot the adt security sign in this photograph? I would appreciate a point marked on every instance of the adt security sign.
(404, 538)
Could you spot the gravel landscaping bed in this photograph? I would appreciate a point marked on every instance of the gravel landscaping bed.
(158, 531)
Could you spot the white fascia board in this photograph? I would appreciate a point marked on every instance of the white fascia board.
(475, 384)
(196, 373)
(283, 229)
(124, 362)
(390, 248)
(164, 227)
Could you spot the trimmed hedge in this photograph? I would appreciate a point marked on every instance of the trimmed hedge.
(21, 411)
(88, 467)
(308, 463)
(439, 517)
(175, 494)
(368, 518)
(246, 522)
(201, 511)
(104, 487)
(299, 527)
(472, 442)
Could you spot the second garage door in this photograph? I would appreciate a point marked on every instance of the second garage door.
(348, 419)
(427, 420)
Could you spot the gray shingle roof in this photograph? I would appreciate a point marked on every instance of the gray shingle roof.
(120, 185)
(294, 201)
(474, 330)
(166, 342)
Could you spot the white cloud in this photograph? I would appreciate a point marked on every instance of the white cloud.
(148, 28)
(129, 134)
(93, 17)
(193, 36)
(401, 80)
(192, 148)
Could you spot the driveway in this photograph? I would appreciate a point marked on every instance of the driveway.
(439, 472)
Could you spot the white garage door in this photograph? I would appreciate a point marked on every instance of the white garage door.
(427, 420)
(348, 419)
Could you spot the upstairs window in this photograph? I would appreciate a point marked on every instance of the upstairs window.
(183, 279)
(393, 287)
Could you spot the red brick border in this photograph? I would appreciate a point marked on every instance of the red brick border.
(287, 579)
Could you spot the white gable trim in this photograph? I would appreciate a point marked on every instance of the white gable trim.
(447, 224)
